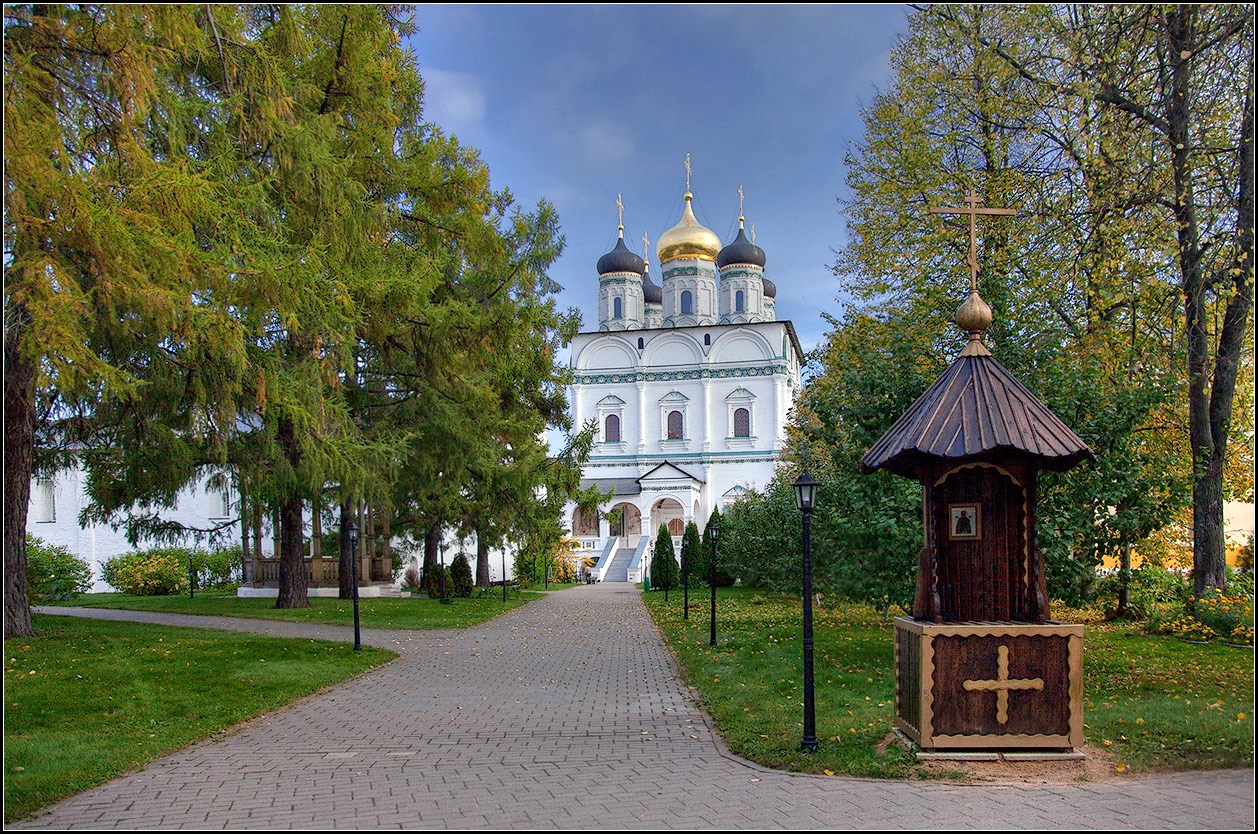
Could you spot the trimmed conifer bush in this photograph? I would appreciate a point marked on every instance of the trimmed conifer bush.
(461, 577)
(664, 561)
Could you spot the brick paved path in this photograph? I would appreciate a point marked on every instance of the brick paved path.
(566, 713)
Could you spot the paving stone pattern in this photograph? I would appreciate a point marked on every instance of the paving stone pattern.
(565, 713)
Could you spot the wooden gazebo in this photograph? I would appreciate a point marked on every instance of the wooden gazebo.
(981, 664)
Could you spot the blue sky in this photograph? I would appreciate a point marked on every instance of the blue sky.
(576, 104)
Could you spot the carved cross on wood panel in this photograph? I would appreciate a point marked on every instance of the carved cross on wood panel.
(1002, 685)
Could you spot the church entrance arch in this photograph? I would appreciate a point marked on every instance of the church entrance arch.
(628, 524)
(669, 512)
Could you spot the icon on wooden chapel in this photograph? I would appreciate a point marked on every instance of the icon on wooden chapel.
(980, 664)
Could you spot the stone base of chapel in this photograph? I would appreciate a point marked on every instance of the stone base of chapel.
(989, 685)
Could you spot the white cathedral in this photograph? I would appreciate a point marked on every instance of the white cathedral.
(689, 383)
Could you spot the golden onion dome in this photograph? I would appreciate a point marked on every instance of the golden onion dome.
(688, 239)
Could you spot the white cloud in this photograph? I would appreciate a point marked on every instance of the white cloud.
(453, 100)
(603, 142)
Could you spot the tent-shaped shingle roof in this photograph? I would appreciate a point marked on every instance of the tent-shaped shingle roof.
(975, 408)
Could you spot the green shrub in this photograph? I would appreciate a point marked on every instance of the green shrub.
(1231, 618)
(1154, 592)
(157, 572)
(217, 569)
(461, 576)
(53, 573)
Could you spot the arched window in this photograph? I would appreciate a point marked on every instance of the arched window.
(742, 422)
(641, 343)
(611, 429)
(738, 301)
(675, 427)
(618, 308)
(687, 303)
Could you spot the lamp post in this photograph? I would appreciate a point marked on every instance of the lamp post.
(715, 530)
(806, 500)
(504, 575)
(353, 548)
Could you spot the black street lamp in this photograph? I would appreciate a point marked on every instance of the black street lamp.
(504, 575)
(353, 548)
(714, 529)
(806, 500)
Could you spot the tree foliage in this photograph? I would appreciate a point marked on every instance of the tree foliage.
(1140, 122)
(694, 563)
(236, 247)
(663, 561)
(1064, 114)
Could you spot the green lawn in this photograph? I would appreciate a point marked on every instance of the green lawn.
(1154, 702)
(407, 613)
(87, 700)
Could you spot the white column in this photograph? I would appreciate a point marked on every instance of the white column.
(707, 414)
(779, 417)
(642, 418)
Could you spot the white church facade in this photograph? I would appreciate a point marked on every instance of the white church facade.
(689, 384)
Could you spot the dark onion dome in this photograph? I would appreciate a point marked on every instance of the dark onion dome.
(651, 294)
(621, 259)
(741, 251)
(770, 288)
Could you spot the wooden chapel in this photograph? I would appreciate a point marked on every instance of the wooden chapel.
(980, 664)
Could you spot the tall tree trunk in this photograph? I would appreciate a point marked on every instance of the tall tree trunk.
(1208, 552)
(292, 558)
(19, 449)
(432, 541)
(292, 555)
(246, 556)
(1210, 392)
(482, 560)
(346, 567)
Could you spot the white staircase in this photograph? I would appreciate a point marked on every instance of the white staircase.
(618, 567)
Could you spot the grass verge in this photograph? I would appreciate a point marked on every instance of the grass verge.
(416, 612)
(1156, 703)
(87, 700)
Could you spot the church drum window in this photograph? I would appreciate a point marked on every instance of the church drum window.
(742, 422)
(675, 427)
(611, 429)
(738, 301)
(617, 308)
(687, 303)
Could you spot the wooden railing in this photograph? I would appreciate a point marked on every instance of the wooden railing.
(322, 573)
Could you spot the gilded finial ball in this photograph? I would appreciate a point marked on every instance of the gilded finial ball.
(974, 315)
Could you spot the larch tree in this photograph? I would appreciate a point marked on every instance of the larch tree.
(106, 252)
